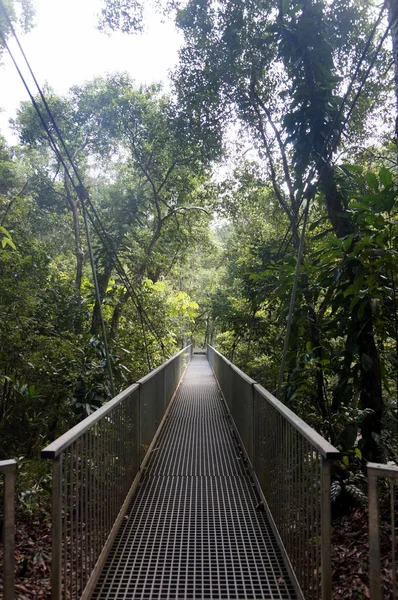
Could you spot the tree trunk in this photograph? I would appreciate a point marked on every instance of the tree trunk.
(335, 204)
(392, 6)
(371, 387)
(79, 253)
(103, 282)
(117, 312)
(319, 395)
(360, 337)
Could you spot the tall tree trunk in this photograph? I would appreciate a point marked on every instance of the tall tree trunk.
(76, 229)
(319, 395)
(103, 282)
(392, 6)
(79, 252)
(335, 204)
(315, 113)
(361, 333)
(117, 313)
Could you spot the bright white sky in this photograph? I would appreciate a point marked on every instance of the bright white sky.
(65, 49)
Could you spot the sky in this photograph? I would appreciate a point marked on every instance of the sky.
(65, 49)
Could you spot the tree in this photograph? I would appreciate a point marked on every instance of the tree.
(51, 371)
(281, 68)
(165, 175)
(12, 14)
(392, 6)
(151, 187)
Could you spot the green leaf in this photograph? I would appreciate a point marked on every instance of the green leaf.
(388, 199)
(322, 234)
(348, 242)
(8, 242)
(385, 176)
(317, 222)
(379, 222)
(372, 182)
(335, 490)
(358, 205)
(352, 169)
(356, 494)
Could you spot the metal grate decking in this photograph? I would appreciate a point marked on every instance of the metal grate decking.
(192, 531)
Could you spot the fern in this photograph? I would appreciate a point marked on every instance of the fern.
(356, 494)
(335, 490)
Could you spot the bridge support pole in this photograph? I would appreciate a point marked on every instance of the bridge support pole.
(374, 536)
(56, 562)
(8, 468)
(326, 530)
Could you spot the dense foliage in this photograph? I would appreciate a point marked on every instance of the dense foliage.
(148, 187)
(281, 70)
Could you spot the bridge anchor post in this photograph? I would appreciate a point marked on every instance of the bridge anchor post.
(326, 530)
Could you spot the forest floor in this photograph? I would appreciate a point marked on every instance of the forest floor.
(349, 558)
(33, 559)
(350, 555)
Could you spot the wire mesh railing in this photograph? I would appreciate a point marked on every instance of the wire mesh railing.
(388, 475)
(8, 469)
(292, 464)
(96, 468)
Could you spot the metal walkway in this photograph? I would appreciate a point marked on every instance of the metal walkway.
(192, 531)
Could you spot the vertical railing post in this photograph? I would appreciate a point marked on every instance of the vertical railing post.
(254, 430)
(393, 539)
(374, 536)
(138, 429)
(56, 562)
(8, 468)
(326, 530)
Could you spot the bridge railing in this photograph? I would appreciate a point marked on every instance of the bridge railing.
(388, 474)
(7, 469)
(96, 467)
(292, 464)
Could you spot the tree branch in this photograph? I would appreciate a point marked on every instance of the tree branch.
(281, 149)
(277, 189)
(10, 204)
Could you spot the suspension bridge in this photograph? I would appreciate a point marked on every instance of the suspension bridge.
(193, 483)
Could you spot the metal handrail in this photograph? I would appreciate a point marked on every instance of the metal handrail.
(319, 443)
(64, 441)
(375, 471)
(96, 468)
(291, 463)
(8, 469)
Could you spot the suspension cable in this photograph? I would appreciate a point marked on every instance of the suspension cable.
(98, 296)
(80, 190)
(83, 196)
